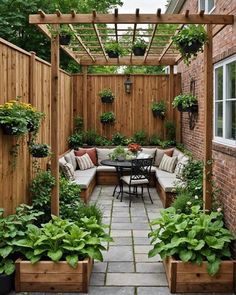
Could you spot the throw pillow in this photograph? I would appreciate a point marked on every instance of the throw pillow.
(68, 171)
(91, 152)
(168, 163)
(103, 154)
(70, 158)
(149, 151)
(160, 153)
(84, 162)
(180, 165)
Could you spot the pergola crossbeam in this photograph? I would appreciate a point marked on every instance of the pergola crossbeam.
(100, 40)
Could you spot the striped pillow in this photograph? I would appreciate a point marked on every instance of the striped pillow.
(168, 163)
(68, 171)
(84, 162)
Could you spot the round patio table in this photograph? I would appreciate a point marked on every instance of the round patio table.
(120, 167)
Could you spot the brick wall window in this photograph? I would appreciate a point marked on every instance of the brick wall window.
(207, 5)
(225, 101)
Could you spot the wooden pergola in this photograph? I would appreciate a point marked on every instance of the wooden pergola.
(92, 33)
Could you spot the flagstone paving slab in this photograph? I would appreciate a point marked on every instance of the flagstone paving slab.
(119, 253)
(120, 267)
(150, 267)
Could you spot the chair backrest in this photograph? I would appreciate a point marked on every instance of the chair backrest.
(141, 168)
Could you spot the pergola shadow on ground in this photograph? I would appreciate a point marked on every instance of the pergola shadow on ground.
(156, 54)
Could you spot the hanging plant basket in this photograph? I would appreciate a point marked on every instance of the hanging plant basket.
(107, 99)
(193, 48)
(113, 54)
(138, 51)
(6, 283)
(64, 39)
(158, 114)
(10, 130)
(40, 150)
(191, 109)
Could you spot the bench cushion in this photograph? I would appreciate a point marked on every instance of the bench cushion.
(167, 183)
(106, 168)
(103, 154)
(84, 177)
(70, 158)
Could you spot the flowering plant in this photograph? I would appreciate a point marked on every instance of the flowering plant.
(17, 118)
(134, 147)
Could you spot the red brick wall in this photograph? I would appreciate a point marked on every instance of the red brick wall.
(224, 45)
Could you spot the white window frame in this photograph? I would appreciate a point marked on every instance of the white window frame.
(222, 140)
(206, 6)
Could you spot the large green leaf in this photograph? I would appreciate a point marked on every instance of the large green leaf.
(185, 255)
(72, 260)
(213, 267)
(4, 252)
(55, 255)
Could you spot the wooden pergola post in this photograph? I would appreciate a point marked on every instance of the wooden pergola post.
(55, 61)
(85, 103)
(208, 124)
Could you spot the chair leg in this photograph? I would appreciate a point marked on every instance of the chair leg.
(129, 196)
(114, 191)
(149, 194)
(121, 192)
(142, 192)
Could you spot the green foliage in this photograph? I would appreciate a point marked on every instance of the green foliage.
(139, 43)
(39, 150)
(167, 143)
(107, 118)
(143, 70)
(193, 237)
(90, 137)
(159, 106)
(12, 228)
(140, 137)
(184, 201)
(75, 140)
(118, 139)
(190, 41)
(184, 100)
(170, 130)
(106, 92)
(118, 153)
(79, 123)
(64, 240)
(154, 139)
(114, 47)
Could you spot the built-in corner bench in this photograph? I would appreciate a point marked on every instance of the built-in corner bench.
(104, 175)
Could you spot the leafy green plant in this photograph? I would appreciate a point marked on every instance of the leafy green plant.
(102, 141)
(139, 43)
(194, 237)
(106, 93)
(75, 140)
(167, 143)
(190, 41)
(119, 153)
(114, 48)
(79, 123)
(140, 137)
(159, 108)
(64, 240)
(89, 137)
(107, 118)
(184, 101)
(118, 139)
(185, 200)
(12, 228)
(170, 130)
(39, 150)
(154, 139)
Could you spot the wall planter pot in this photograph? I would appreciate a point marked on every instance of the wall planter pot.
(106, 122)
(158, 114)
(49, 276)
(9, 130)
(138, 51)
(107, 99)
(64, 39)
(192, 109)
(194, 47)
(6, 283)
(113, 54)
(188, 277)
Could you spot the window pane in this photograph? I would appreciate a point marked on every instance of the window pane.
(231, 71)
(231, 120)
(219, 83)
(210, 5)
(219, 119)
(201, 5)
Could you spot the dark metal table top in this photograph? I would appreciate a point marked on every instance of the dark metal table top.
(115, 163)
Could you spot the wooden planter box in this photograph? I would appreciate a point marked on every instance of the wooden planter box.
(189, 277)
(48, 276)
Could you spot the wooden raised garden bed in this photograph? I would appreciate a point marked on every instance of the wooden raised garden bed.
(48, 276)
(189, 277)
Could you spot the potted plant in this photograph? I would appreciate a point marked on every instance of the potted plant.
(185, 103)
(134, 148)
(114, 49)
(190, 41)
(107, 118)
(139, 47)
(39, 150)
(106, 95)
(65, 34)
(118, 154)
(12, 228)
(159, 109)
(58, 252)
(194, 246)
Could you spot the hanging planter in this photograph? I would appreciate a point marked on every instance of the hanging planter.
(114, 49)
(39, 150)
(106, 95)
(107, 118)
(64, 39)
(159, 109)
(139, 47)
(185, 103)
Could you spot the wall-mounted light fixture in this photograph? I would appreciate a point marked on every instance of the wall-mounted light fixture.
(128, 85)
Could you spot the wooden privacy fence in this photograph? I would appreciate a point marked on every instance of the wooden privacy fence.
(25, 75)
(133, 111)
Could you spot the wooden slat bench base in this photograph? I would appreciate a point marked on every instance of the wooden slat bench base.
(165, 197)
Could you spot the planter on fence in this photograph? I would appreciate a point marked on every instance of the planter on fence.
(49, 276)
(190, 277)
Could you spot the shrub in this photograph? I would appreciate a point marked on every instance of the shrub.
(79, 123)
(75, 140)
(154, 139)
(118, 139)
(170, 130)
(140, 137)
(184, 201)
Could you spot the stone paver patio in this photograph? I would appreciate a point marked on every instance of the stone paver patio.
(126, 269)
